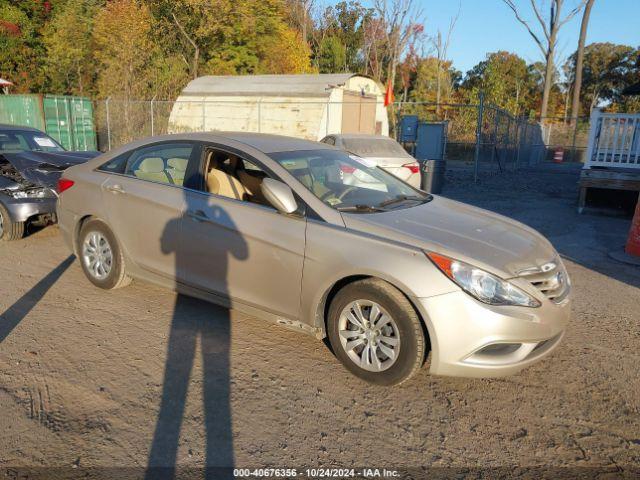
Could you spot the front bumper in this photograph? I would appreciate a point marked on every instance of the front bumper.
(472, 339)
(21, 209)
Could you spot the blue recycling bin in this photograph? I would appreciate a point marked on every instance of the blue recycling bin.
(430, 141)
(408, 129)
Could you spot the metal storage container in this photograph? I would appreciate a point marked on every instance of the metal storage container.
(67, 119)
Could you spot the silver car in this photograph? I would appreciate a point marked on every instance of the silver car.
(385, 152)
(267, 225)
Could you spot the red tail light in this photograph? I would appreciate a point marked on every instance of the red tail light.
(414, 167)
(64, 184)
(347, 168)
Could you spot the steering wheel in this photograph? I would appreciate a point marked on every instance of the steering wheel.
(341, 195)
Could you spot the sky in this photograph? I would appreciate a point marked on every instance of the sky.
(489, 25)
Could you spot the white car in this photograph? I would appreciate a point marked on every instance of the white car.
(385, 152)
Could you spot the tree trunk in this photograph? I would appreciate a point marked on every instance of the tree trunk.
(438, 86)
(577, 83)
(548, 81)
(196, 61)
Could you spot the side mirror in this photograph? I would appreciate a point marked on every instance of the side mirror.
(279, 195)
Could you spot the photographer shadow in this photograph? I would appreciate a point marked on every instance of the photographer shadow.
(194, 320)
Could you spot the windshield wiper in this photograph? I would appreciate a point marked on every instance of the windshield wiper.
(403, 198)
(360, 208)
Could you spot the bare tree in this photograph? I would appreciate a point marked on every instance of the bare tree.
(577, 82)
(548, 40)
(191, 41)
(401, 20)
(301, 14)
(373, 48)
(441, 45)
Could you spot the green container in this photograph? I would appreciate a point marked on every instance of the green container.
(67, 119)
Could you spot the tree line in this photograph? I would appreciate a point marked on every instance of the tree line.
(143, 49)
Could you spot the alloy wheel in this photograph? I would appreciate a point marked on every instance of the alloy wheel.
(369, 335)
(97, 255)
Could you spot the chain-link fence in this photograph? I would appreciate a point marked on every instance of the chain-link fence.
(482, 136)
(559, 133)
(479, 136)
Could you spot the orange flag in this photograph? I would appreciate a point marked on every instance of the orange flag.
(388, 95)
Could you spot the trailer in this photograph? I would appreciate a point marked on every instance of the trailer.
(304, 106)
(613, 154)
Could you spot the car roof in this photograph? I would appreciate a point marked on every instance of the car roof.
(360, 135)
(4, 126)
(266, 143)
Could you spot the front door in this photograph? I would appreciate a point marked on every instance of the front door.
(241, 249)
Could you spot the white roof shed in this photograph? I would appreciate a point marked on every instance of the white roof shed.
(305, 106)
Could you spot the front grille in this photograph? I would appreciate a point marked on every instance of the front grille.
(551, 279)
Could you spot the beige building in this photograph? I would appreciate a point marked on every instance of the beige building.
(304, 106)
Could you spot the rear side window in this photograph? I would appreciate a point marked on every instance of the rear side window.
(115, 165)
(164, 163)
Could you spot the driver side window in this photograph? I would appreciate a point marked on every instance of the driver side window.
(231, 176)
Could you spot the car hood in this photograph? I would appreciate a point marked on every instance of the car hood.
(45, 168)
(481, 238)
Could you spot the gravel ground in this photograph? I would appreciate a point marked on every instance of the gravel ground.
(82, 371)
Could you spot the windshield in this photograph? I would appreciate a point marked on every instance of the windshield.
(347, 182)
(12, 141)
(374, 147)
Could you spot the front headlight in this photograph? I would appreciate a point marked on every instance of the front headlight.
(32, 193)
(482, 285)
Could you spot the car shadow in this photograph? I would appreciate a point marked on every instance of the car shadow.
(13, 315)
(195, 321)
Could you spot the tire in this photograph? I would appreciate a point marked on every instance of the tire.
(404, 329)
(96, 242)
(9, 230)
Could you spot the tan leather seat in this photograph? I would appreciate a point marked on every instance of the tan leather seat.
(253, 184)
(152, 168)
(220, 183)
(176, 168)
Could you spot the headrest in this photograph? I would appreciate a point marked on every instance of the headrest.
(151, 165)
(178, 163)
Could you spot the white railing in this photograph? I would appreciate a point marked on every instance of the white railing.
(614, 140)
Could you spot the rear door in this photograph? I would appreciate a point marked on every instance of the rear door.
(145, 202)
(243, 250)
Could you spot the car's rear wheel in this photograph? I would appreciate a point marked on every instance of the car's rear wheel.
(9, 230)
(101, 257)
(375, 332)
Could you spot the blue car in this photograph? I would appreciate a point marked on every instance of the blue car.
(31, 162)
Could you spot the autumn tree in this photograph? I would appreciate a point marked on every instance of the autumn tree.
(21, 50)
(124, 50)
(69, 62)
(339, 36)
(434, 81)
(225, 37)
(506, 80)
(607, 69)
(400, 22)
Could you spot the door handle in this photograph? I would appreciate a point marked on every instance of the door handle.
(198, 215)
(115, 189)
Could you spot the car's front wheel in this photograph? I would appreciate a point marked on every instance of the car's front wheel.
(375, 332)
(9, 230)
(101, 257)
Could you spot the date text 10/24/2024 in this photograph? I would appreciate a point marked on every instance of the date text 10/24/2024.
(314, 473)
